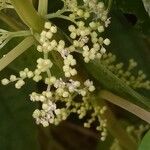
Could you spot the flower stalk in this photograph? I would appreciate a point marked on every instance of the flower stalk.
(18, 50)
(43, 7)
(28, 14)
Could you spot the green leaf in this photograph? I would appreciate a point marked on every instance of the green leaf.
(111, 82)
(147, 6)
(145, 144)
(127, 43)
(27, 59)
(136, 8)
(17, 128)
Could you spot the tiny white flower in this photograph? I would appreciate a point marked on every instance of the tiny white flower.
(36, 113)
(65, 94)
(53, 29)
(13, 78)
(19, 84)
(106, 41)
(5, 81)
(47, 25)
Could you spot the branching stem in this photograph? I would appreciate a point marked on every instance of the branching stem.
(28, 14)
(18, 50)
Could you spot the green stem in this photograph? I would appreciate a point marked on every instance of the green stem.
(18, 50)
(109, 5)
(115, 129)
(14, 34)
(60, 16)
(43, 7)
(56, 14)
(134, 109)
(28, 14)
(20, 33)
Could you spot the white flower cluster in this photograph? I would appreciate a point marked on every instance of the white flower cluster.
(43, 65)
(82, 35)
(87, 34)
(88, 8)
(19, 80)
(59, 100)
(135, 81)
(5, 4)
(62, 93)
(47, 45)
(65, 95)
(98, 111)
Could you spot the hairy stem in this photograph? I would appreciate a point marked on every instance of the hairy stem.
(14, 53)
(28, 14)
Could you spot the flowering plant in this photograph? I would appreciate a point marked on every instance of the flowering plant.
(72, 58)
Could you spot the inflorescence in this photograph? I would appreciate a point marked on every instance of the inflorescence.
(127, 75)
(65, 95)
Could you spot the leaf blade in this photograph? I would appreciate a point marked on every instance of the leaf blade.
(114, 84)
(145, 144)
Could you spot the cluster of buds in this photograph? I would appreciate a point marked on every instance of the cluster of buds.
(65, 95)
(59, 100)
(126, 75)
(47, 45)
(86, 8)
(85, 32)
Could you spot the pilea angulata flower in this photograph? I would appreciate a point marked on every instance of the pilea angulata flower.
(89, 20)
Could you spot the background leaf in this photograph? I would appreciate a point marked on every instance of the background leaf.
(111, 82)
(17, 128)
(127, 43)
(137, 10)
(145, 144)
